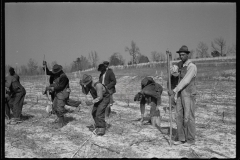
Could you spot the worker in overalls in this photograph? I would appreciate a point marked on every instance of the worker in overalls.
(101, 99)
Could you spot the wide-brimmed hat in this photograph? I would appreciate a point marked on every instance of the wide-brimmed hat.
(183, 49)
(106, 63)
(101, 66)
(86, 79)
(56, 69)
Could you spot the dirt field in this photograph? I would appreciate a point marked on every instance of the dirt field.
(126, 137)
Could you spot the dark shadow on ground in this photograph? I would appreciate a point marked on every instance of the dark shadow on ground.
(166, 130)
(68, 119)
(25, 117)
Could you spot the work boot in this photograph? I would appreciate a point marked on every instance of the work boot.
(14, 121)
(60, 123)
(100, 131)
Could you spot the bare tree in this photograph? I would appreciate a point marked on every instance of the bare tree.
(93, 58)
(24, 70)
(231, 50)
(116, 59)
(162, 56)
(221, 45)
(32, 66)
(142, 58)
(133, 51)
(202, 50)
(155, 56)
(191, 54)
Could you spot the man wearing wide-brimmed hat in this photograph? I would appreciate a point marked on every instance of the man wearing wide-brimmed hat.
(185, 93)
(107, 77)
(101, 99)
(61, 90)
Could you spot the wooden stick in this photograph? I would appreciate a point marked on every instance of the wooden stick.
(46, 80)
(169, 88)
(81, 146)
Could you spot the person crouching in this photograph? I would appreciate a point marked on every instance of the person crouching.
(151, 95)
(101, 99)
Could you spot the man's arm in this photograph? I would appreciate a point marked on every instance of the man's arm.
(191, 72)
(99, 89)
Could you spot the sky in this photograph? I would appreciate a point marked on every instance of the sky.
(64, 31)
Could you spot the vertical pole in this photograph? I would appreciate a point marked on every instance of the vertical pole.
(169, 88)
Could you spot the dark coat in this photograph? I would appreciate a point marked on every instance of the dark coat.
(109, 80)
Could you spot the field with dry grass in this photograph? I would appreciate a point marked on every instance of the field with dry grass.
(126, 137)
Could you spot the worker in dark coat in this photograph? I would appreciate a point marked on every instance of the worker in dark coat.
(60, 87)
(101, 99)
(17, 95)
(151, 95)
(107, 77)
(53, 77)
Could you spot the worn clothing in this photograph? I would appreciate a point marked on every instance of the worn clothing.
(185, 111)
(61, 94)
(186, 97)
(99, 108)
(61, 84)
(154, 111)
(109, 80)
(98, 112)
(190, 71)
(150, 94)
(17, 94)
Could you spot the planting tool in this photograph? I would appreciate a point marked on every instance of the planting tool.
(169, 88)
(49, 103)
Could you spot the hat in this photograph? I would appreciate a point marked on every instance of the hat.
(86, 79)
(106, 63)
(101, 66)
(56, 68)
(183, 49)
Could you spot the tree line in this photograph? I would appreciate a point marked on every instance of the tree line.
(218, 49)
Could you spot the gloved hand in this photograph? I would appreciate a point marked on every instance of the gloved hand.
(171, 93)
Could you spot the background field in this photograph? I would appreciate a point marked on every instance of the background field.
(215, 119)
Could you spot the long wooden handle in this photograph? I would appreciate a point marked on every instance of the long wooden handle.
(169, 88)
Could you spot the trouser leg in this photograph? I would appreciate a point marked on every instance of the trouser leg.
(108, 108)
(17, 103)
(154, 113)
(100, 113)
(72, 103)
(179, 120)
(190, 128)
(58, 107)
(7, 110)
(94, 111)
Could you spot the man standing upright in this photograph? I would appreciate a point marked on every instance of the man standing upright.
(185, 91)
(107, 77)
